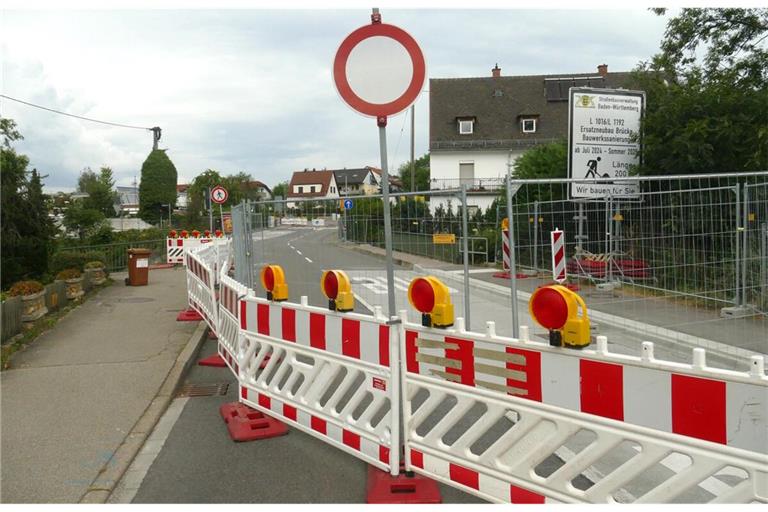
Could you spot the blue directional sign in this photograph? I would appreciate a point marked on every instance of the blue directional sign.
(347, 204)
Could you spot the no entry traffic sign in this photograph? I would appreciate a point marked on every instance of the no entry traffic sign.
(219, 194)
(379, 69)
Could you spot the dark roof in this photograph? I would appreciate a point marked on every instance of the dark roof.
(256, 184)
(351, 176)
(308, 177)
(497, 105)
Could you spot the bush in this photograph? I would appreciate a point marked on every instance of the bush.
(73, 259)
(25, 288)
(68, 273)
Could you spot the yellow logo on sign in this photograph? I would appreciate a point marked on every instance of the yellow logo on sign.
(584, 101)
(443, 238)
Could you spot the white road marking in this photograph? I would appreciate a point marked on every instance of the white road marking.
(130, 482)
(298, 251)
(309, 260)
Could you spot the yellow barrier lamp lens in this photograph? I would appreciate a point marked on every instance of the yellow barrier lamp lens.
(273, 281)
(505, 224)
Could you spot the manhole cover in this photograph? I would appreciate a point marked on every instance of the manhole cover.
(195, 390)
(136, 300)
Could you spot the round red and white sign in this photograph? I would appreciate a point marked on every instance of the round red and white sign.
(219, 194)
(379, 70)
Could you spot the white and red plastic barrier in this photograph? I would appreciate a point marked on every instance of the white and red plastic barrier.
(313, 368)
(178, 242)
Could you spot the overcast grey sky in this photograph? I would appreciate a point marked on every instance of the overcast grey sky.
(252, 90)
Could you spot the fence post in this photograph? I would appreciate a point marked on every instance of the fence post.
(465, 246)
(764, 263)
(737, 298)
(512, 262)
(745, 251)
(536, 236)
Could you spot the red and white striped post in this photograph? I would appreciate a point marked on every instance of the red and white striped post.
(505, 245)
(558, 256)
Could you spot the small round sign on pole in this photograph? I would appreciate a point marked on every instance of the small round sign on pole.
(219, 194)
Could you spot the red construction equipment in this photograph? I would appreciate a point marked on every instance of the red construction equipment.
(215, 360)
(189, 315)
(401, 489)
(247, 424)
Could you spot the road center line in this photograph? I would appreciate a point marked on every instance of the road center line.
(309, 260)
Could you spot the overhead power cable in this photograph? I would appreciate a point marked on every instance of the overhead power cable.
(75, 116)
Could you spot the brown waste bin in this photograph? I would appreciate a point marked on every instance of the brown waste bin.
(138, 267)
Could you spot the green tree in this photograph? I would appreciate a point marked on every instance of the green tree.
(421, 173)
(197, 190)
(100, 190)
(158, 186)
(706, 94)
(27, 231)
(545, 161)
(281, 189)
(83, 220)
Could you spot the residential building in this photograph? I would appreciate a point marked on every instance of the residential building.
(182, 200)
(363, 181)
(312, 184)
(479, 126)
(256, 191)
(127, 201)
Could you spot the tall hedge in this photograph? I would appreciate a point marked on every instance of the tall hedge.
(158, 186)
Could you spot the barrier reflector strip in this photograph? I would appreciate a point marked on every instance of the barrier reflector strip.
(275, 321)
(560, 381)
(410, 351)
(384, 454)
(319, 425)
(317, 331)
(464, 355)
(384, 345)
(351, 439)
(350, 338)
(289, 324)
(524, 496)
(532, 369)
(747, 413)
(417, 459)
(640, 384)
(264, 401)
(602, 389)
(333, 337)
(244, 392)
(262, 319)
(698, 408)
(289, 412)
(464, 476)
(243, 317)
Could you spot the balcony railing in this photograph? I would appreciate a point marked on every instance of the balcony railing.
(489, 185)
(488, 144)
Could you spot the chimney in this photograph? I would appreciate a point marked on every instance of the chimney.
(602, 69)
(496, 71)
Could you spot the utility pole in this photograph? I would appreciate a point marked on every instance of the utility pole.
(156, 134)
(413, 162)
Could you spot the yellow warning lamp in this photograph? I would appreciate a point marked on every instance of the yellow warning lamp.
(556, 308)
(273, 280)
(432, 298)
(505, 224)
(338, 288)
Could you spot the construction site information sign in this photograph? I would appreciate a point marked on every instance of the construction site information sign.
(604, 141)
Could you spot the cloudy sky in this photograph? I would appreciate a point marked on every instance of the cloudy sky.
(251, 90)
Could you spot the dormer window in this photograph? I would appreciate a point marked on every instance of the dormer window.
(466, 126)
(528, 124)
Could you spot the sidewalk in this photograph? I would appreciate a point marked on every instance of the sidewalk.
(72, 402)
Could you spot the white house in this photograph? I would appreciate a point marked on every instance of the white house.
(312, 184)
(479, 126)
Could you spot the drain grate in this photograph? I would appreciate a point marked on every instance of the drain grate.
(195, 390)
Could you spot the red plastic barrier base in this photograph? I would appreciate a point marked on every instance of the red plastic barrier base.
(214, 360)
(246, 424)
(505, 275)
(189, 315)
(385, 488)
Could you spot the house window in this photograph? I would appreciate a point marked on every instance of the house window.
(466, 126)
(311, 189)
(528, 125)
(301, 190)
(467, 173)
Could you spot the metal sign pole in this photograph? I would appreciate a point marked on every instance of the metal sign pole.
(382, 122)
(210, 210)
(465, 246)
(512, 262)
(221, 214)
